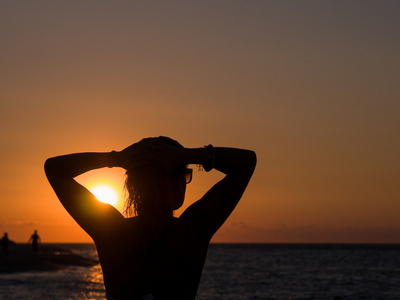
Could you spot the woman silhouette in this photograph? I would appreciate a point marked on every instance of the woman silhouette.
(153, 255)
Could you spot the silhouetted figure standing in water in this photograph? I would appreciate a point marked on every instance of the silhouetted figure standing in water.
(153, 255)
(4, 244)
(35, 242)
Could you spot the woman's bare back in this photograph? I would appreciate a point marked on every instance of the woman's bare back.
(167, 262)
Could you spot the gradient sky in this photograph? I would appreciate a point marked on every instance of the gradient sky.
(311, 86)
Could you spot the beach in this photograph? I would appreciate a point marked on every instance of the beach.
(49, 258)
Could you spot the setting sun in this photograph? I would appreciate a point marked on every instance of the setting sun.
(105, 193)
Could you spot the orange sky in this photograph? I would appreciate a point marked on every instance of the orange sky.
(311, 86)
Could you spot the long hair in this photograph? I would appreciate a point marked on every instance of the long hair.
(149, 189)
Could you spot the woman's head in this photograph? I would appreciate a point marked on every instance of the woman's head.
(151, 190)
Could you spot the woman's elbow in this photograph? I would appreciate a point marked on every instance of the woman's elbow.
(252, 160)
(49, 167)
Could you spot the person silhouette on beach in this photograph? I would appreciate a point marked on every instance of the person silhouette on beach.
(35, 242)
(150, 254)
(4, 244)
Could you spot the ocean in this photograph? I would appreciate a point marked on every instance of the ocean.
(243, 271)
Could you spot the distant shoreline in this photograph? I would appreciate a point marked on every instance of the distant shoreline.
(49, 258)
(245, 243)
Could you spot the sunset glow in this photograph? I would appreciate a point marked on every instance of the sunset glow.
(310, 86)
(105, 193)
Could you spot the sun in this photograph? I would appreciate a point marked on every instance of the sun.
(105, 193)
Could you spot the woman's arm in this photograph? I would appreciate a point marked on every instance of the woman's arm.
(92, 215)
(211, 211)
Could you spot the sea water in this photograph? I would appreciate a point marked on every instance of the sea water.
(243, 271)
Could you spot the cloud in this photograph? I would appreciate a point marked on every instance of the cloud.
(17, 223)
(50, 232)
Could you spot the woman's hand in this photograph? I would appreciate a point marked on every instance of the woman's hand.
(152, 150)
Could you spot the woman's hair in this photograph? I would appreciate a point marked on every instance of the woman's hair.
(149, 189)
